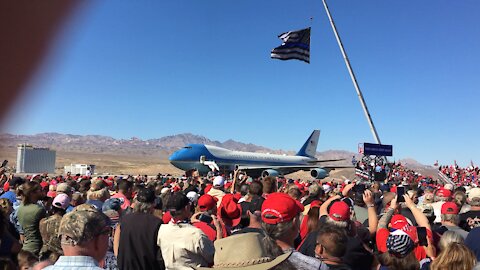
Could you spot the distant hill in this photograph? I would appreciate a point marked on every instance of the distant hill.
(144, 156)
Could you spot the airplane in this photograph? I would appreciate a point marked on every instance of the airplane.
(205, 158)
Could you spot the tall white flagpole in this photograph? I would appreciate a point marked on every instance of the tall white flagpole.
(352, 75)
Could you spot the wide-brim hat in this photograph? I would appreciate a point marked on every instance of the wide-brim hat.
(252, 256)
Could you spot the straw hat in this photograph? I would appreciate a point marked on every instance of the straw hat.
(243, 252)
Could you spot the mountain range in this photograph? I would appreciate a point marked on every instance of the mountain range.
(105, 149)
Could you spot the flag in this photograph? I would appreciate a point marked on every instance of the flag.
(296, 45)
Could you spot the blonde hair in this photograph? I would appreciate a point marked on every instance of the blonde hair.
(455, 257)
(449, 237)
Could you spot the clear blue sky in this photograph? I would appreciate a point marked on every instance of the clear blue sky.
(155, 68)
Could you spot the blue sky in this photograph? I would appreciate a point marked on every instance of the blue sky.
(155, 68)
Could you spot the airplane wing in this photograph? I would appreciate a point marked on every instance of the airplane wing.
(257, 170)
(326, 160)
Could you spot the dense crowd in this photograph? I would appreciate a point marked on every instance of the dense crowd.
(404, 221)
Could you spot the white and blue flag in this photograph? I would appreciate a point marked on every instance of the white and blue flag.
(296, 45)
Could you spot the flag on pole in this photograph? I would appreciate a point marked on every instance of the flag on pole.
(296, 45)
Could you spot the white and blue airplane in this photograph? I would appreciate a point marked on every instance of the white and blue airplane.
(204, 158)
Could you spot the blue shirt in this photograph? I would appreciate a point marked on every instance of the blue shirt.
(75, 262)
(10, 195)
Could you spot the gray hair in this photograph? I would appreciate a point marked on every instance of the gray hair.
(338, 224)
(448, 238)
(276, 231)
(451, 217)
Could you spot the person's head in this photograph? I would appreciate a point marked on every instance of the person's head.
(64, 188)
(255, 188)
(179, 206)
(449, 237)
(6, 206)
(474, 197)
(315, 191)
(207, 203)
(98, 195)
(331, 243)
(15, 182)
(339, 214)
(84, 232)
(460, 198)
(253, 253)
(229, 210)
(144, 201)
(399, 255)
(244, 189)
(218, 182)
(294, 192)
(125, 187)
(26, 259)
(449, 213)
(32, 192)
(455, 256)
(60, 203)
(280, 217)
(77, 199)
(443, 195)
(269, 184)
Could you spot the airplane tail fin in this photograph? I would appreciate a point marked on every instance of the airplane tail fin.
(309, 148)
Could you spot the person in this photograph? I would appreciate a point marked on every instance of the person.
(450, 219)
(135, 236)
(471, 218)
(217, 189)
(29, 216)
(246, 251)
(124, 192)
(280, 220)
(84, 237)
(442, 195)
(331, 246)
(399, 222)
(11, 194)
(207, 208)
(49, 228)
(473, 244)
(184, 246)
(455, 257)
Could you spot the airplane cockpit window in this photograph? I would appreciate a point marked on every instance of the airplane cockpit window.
(187, 147)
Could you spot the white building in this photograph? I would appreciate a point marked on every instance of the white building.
(79, 169)
(35, 160)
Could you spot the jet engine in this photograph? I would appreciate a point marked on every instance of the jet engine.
(319, 173)
(269, 172)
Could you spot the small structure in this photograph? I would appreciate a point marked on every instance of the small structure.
(35, 160)
(79, 169)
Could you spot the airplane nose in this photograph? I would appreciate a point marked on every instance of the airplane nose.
(174, 156)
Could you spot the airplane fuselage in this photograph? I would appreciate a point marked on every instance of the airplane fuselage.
(189, 157)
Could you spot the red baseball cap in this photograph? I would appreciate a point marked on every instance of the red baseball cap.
(207, 202)
(450, 208)
(443, 192)
(399, 222)
(339, 211)
(279, 208)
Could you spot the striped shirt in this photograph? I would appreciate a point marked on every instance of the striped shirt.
(75, 262)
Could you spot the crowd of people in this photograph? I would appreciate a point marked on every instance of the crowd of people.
(404, 221)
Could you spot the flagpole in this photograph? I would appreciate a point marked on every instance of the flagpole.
(352, 75)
